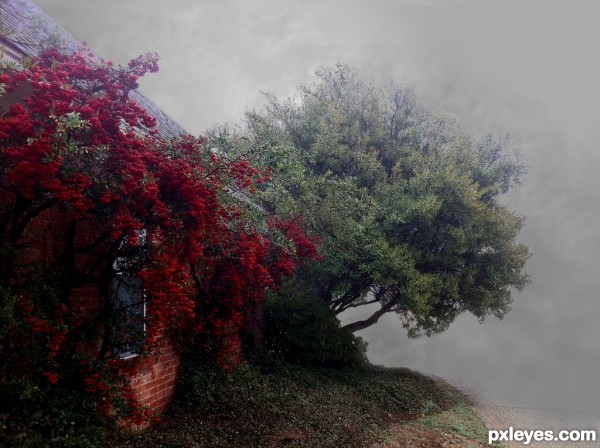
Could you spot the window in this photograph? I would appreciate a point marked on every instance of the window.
(129, 304)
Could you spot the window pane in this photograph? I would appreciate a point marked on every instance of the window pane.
(130, 310)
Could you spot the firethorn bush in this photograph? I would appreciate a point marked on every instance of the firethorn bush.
(82, 168)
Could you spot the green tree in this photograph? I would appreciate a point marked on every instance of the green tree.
(405, 202)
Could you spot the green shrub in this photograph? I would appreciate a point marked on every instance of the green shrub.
(301, 330)
(35, 416)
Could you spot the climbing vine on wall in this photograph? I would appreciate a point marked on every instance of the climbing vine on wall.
(76, 150)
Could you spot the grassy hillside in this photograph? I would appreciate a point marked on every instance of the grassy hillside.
(297, 406)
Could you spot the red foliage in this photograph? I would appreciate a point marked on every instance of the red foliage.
(76, 143)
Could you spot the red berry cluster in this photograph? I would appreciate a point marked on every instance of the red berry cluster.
(77, 142)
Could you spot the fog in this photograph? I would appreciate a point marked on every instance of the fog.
(529, 68)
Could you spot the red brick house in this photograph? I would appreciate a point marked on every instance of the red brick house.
(24, 27)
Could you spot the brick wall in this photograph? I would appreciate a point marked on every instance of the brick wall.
(155, 377)
(154, 382)
(43, 243)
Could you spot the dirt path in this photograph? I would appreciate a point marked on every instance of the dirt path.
(411, 436)
(502, 417)
(497, 416)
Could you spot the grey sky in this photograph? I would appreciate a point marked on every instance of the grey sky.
(529, 67)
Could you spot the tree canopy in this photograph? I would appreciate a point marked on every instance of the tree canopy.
(406, 204)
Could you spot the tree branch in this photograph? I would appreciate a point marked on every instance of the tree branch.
(356, 305)
(373, 319)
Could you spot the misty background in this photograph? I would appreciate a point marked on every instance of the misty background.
(529, 68)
